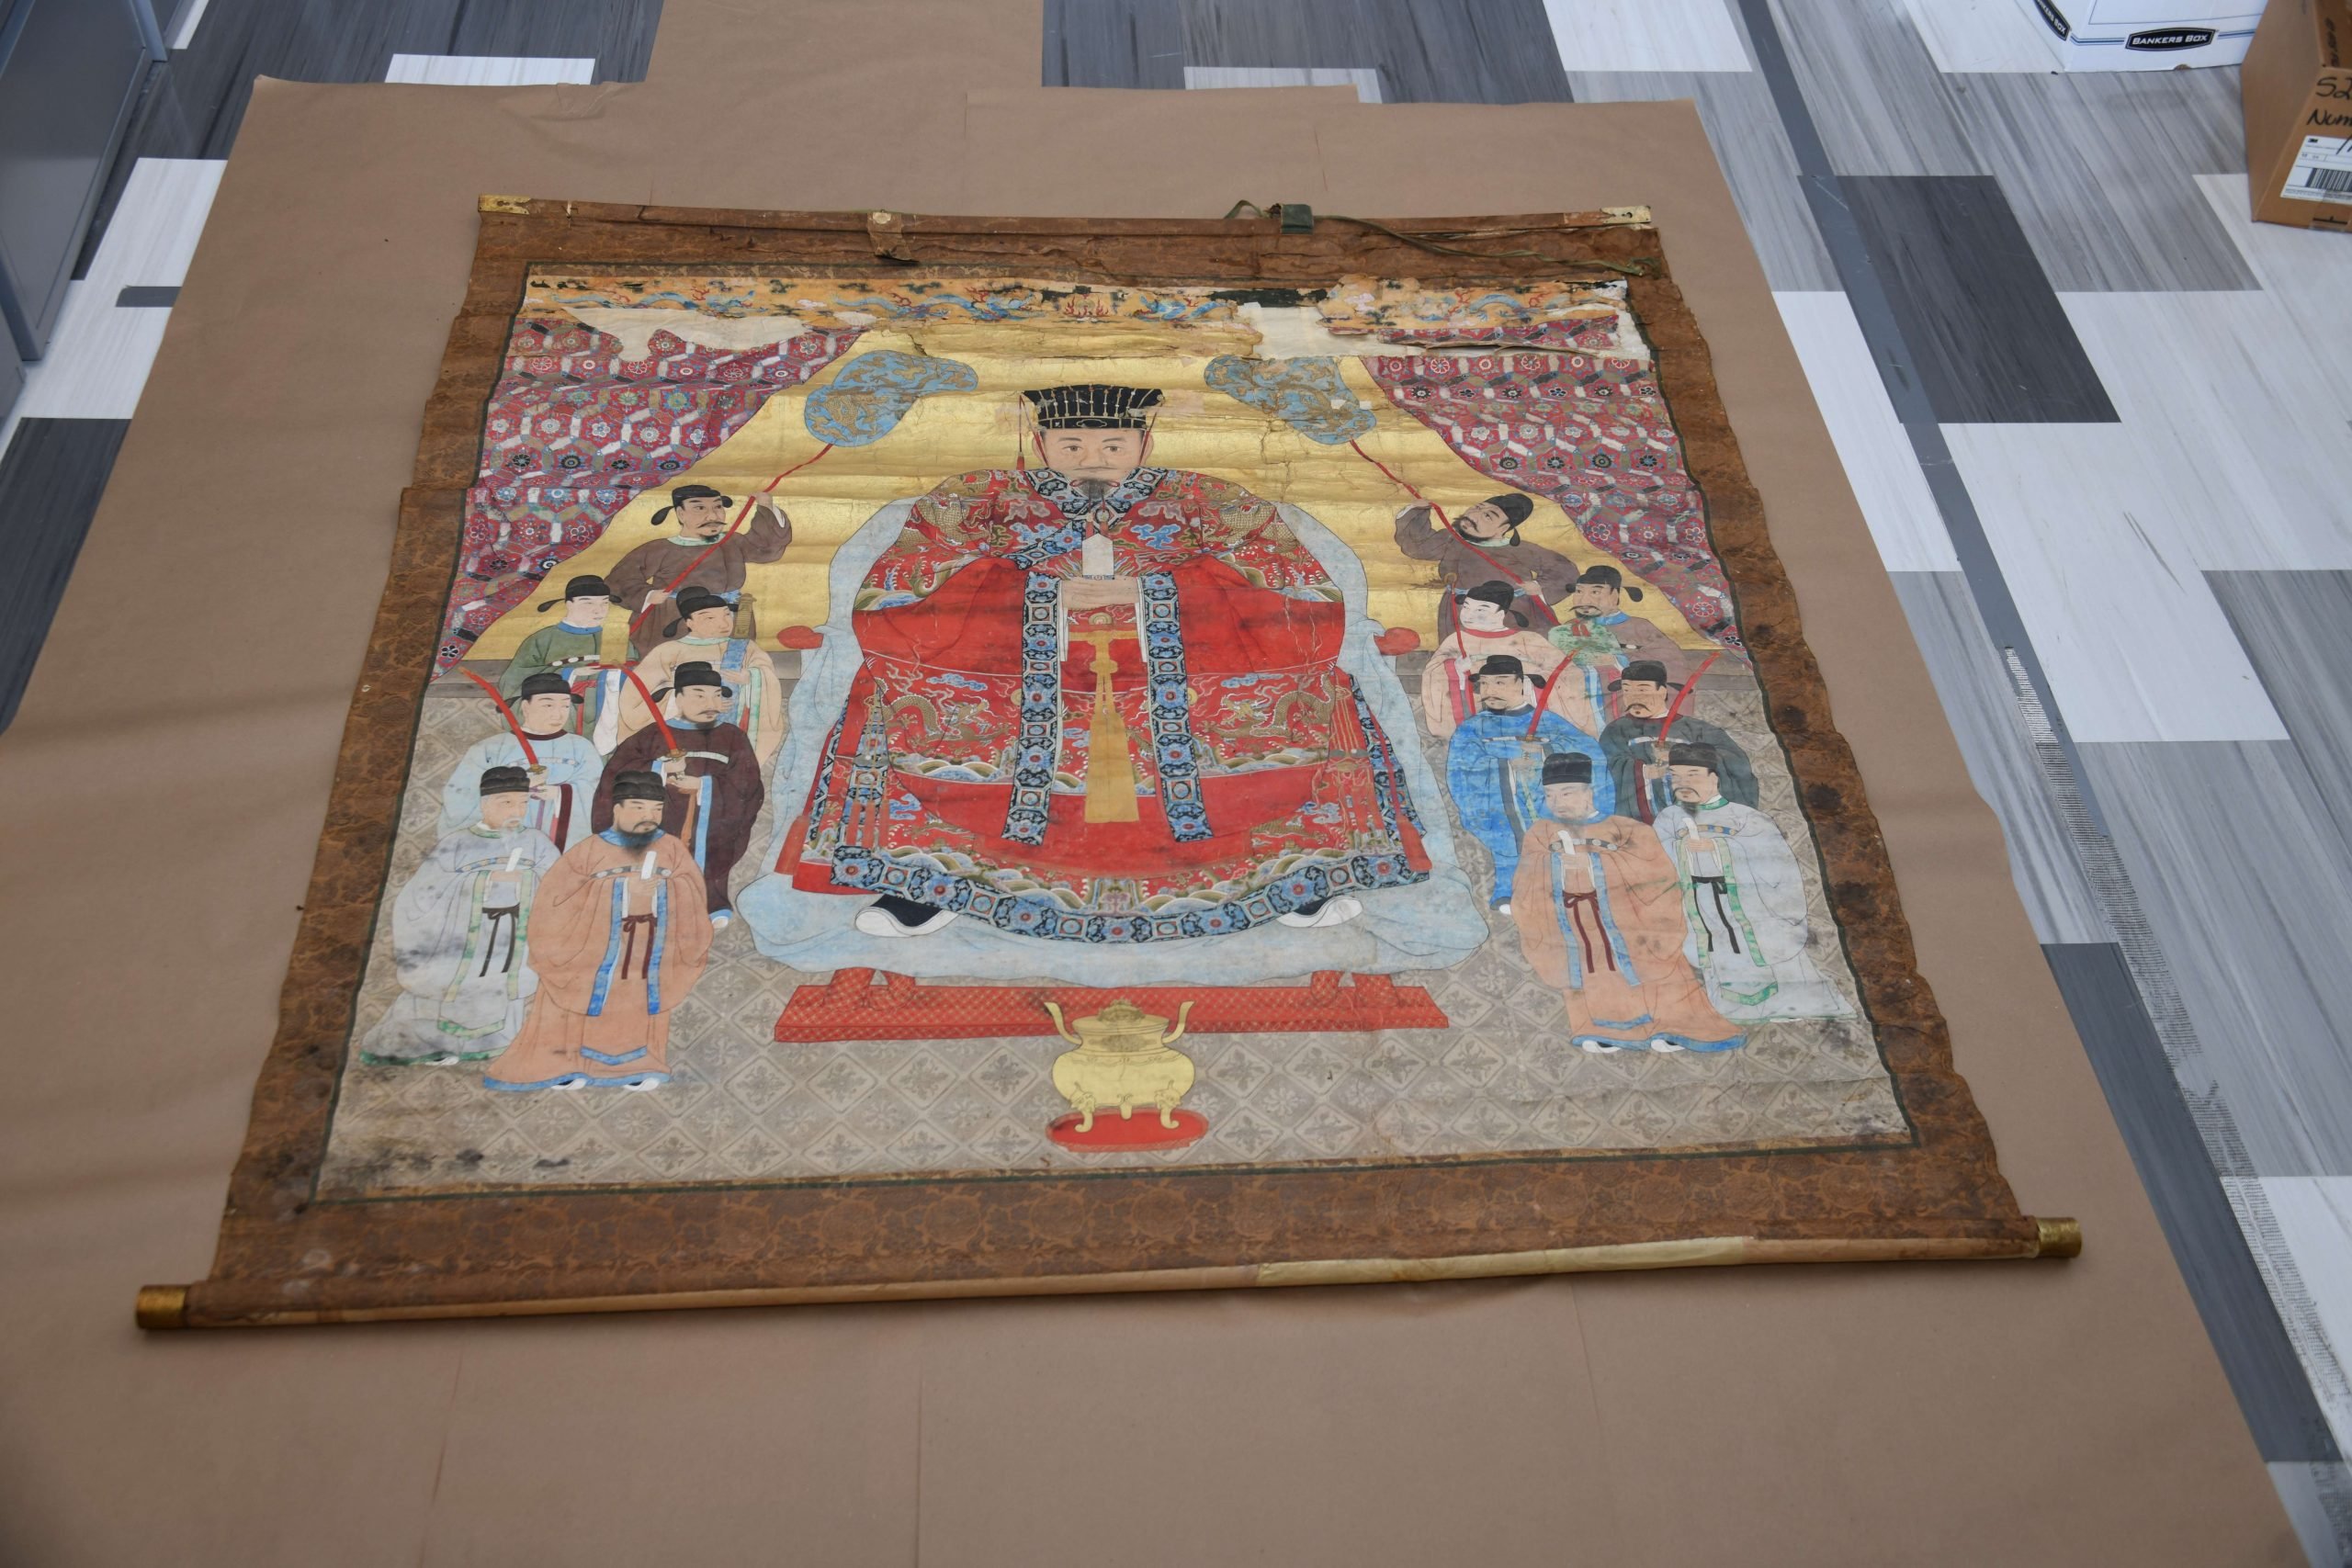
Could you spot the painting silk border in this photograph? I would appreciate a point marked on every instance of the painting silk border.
(285, 1258)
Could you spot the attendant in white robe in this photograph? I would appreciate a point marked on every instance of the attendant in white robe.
(564, 767)
(704, 630)
(461, 936)
(1743, 898)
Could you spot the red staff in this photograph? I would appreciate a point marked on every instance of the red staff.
(1665, 728)
(1467, 543)
(670, 741)
(530, 754)
(676, 754)
(704, 554)
(1675, 708)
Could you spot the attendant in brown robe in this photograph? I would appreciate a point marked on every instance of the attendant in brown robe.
(657, 569)
(1482, 545)
(619, 939)
(1599, 908)
(712, 778)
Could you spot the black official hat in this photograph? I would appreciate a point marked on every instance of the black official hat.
(1648, 669)
(1694, 754)
(1502, 664)
(1568, 767)
(504, 781)
(549, 684)
(635, 785)
(694, 673)
(1515, 507)
(1501, 595)
(692, 602)
(580, 587)
(1609, 577)
(684, 494)
(1092, 406)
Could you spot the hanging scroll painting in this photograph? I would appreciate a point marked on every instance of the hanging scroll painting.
(958, 778)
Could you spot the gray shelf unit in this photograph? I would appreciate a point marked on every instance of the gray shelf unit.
(71, 72)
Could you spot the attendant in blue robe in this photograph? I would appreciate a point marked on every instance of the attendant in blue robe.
(1494, 765)
(564, 773)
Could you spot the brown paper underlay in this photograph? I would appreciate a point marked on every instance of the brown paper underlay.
(1757, 1415)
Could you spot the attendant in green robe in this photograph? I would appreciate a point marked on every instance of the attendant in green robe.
(572, 647)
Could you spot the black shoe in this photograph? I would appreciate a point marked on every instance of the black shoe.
(906, 912)
(887, 916)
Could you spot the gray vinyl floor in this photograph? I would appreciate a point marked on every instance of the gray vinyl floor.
(2099, 422)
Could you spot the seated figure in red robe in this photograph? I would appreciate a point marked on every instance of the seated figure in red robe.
(1101, 702)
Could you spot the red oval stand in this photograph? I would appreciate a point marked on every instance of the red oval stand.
(1142, 1131)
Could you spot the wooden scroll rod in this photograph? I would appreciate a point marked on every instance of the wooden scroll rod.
(170, 1306)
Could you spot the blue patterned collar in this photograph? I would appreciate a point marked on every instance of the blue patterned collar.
(1076, 506)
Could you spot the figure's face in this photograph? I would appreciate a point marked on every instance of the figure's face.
(705, 517)
(700, 705)
(718, 621)
(1107, 455)
(588, 610)
(1481, 615)
(503, 811)
(1484, 521)
(1568, 802)
(1644, 699)
(1500, 694)
(1593, 599)
(637, 816)
(1691, 786)
(545, 714)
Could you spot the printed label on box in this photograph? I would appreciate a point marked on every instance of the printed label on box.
(2322, 170)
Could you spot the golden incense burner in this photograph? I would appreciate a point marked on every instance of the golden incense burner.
(1124, 1059)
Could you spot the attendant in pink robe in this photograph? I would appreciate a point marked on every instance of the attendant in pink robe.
(1599, 908)
(1487, 623)
(619, 936)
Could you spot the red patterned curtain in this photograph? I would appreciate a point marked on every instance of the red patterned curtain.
(1591, 433)
(574, 431)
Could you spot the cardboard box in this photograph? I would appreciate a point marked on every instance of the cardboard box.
(2144, 35)
(2298, 92)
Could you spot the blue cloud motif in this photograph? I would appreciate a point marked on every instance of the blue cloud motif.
(873, 392)
(1306, 394)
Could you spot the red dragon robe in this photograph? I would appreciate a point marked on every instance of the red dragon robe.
(958, 773)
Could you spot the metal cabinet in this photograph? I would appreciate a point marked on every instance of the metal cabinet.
(71, 72)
